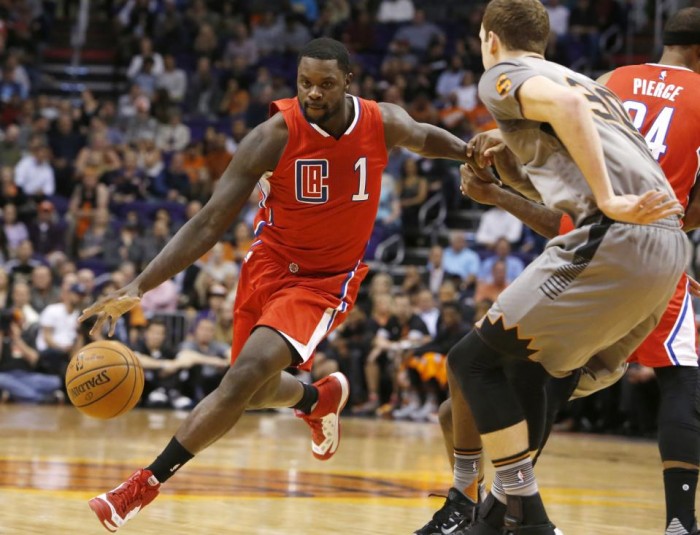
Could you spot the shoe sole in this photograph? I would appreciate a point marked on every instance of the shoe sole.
(103, 511)
(344, 395)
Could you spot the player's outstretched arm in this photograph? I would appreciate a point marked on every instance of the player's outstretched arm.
(400, 130)
(543, 220)
(569, 113)
(259, 151)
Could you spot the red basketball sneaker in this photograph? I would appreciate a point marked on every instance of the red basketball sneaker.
(116, 507)
(324, 420)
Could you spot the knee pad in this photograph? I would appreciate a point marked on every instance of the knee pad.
(479, 371)
(679, 415)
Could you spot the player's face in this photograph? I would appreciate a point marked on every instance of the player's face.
(321, 87)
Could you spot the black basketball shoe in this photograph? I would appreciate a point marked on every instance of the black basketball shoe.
(457, 513)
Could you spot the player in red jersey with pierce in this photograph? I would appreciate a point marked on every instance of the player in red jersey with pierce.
(663, 100)
(324, 153)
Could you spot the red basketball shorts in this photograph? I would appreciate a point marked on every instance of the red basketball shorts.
(674, 341)
(301, 308)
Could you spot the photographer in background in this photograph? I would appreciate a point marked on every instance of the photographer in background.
(19, 380)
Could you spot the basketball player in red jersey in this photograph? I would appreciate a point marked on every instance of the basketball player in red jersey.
(663, 101)
(325, 151)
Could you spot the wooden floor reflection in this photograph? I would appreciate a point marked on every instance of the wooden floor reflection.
(261, 479)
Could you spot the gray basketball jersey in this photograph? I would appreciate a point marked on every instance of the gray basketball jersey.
(560, 183)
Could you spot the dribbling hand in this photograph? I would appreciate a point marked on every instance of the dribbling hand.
(641, 209)
(111, 308)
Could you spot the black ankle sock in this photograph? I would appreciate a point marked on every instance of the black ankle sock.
(308, 399)
(169, 461)
(680, 484)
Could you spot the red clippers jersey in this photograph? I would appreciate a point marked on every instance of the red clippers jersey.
(318, 212)
(664, 104)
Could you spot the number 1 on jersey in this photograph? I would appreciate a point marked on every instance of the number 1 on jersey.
(361, 166)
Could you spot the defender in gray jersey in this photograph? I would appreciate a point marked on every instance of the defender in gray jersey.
(598, 290)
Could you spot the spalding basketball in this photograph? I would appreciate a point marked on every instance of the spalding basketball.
(104, 379)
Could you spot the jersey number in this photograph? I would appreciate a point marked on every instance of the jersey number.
(656, 136)
(312, 177)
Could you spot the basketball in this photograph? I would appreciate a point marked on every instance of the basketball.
(104, 379)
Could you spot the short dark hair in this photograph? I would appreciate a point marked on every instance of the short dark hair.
(683, 27)
(326, 48)
(519, 24)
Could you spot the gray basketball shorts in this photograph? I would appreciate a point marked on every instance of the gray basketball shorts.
(598, 290)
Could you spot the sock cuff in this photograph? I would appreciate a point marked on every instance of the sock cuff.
(512, 459)
(467, 453)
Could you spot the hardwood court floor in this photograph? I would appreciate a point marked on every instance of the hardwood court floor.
(262, 479)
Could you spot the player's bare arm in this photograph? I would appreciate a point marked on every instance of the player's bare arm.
(259, 152)
(568, 112)
(538, 217)
(691, 220)
(425, 139)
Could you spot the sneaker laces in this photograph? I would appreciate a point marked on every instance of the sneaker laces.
(443, 514)
(124, 496)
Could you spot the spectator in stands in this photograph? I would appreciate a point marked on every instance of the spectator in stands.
(240, 46)
(176, 180)
(235, 100)
(206, 44)
(204, 93)
(359, 34)
(45, 231)
(146, 78)
(496, 223)
(34, 174)
(10, 151)
(196, 169)
(59, 328)
(307, 9)
(436, 269)
(86, 278)
(466, 92)
(98, 154)
(162, 298)
(44, 292)
(558, 18)
(99, 235)
(21, 267)
(15, 231)
(216, 297)
(268, 33)
(451, 78)
(169, 33)
(490, 287)
(21, 295)
(163, 386)
(428, 311)
(137, 61)
(388, 220)
(413, 192)
(66, 141)
(173, 80)
(513, 265)
(459, 260)
(259, 108)
(145, 248)
(18, 363)
(395, 11)
(142, 125)
(205, 378)
(238, 131)
(129, 184)
(89, 195)
(294, 34)
(583, 32)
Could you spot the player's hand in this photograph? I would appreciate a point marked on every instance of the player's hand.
(484, 147)
(641, 209)
(476, 188)
(693, 287)
(111, 308)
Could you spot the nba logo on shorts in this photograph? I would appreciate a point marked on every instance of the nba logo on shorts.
(311, 178)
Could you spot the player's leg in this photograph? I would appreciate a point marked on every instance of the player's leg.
(479, 371)
(463, 446)
(263, 358)
(679, 444)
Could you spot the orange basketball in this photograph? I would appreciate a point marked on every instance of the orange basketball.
(104, 379)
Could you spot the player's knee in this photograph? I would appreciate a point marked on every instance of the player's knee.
(465, 359)
(247, 375)
(679, 422)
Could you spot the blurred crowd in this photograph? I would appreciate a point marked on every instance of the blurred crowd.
(92, 185)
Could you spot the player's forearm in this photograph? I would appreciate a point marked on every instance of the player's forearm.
(538, 217)
(439, 143)
(691, 220)
(513, 174)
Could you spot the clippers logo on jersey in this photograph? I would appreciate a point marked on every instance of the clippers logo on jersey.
(311, 176)
(503, 84)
